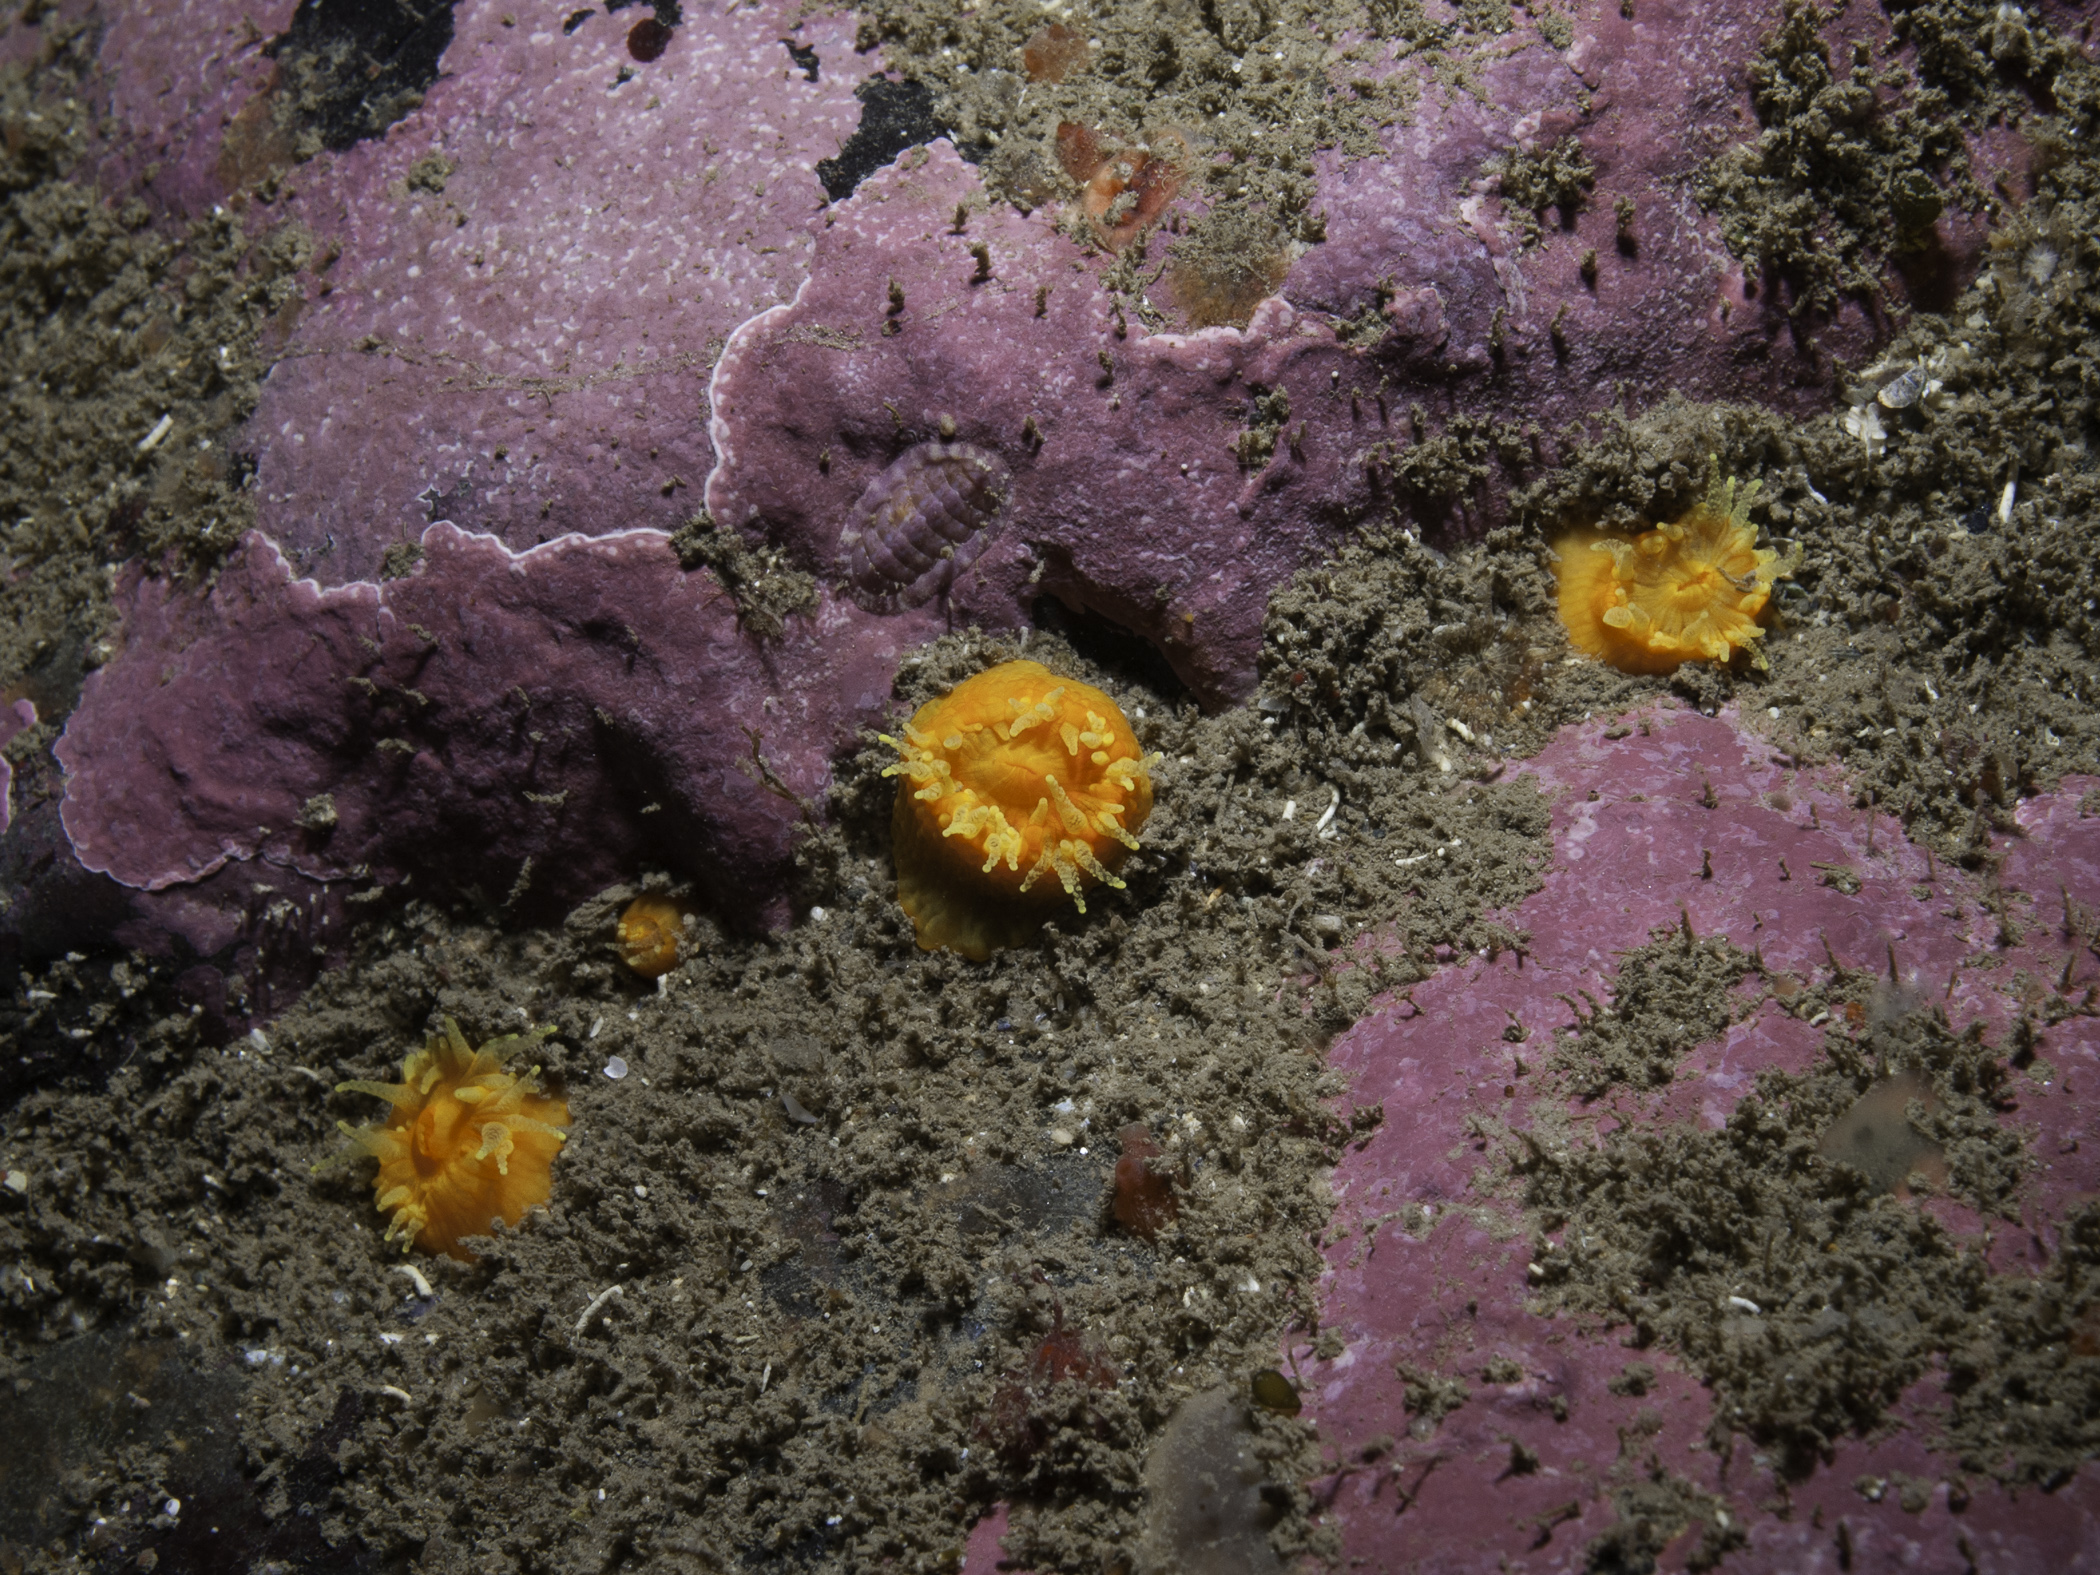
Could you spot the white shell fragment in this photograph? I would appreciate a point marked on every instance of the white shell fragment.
(1904, 391)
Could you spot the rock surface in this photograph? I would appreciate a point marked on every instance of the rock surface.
(1455, 1295)
(1429, 1273)
(568, 292)
(13, 719)
(536, 724)
(538, 267)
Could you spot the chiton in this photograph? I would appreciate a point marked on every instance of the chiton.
(920, 524)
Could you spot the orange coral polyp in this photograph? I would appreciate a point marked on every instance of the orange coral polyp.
(648, 934)
(1020, 788)
(468, 1143)
(1691, 590)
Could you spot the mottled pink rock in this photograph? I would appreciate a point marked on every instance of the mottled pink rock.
(1667, 308)
(1126, 491)
(171, 76)
(517, 322)
(182, 70)
(1448, 1300)
(526, 352)
(1129, 496)
(583, 708)
(982, 1551)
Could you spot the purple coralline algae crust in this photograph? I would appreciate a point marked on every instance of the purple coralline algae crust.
(1427, 234)
(525, 351)
(539, 724)
(171, 76)
(1448, 1295)
(521, 287)
(508, 350)
(1451, 1296)
(1127, 497)
(1131, 497)
(181, 73)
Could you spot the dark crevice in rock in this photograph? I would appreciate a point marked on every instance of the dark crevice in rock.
(354, 67)
(894, 116)
(804, 56)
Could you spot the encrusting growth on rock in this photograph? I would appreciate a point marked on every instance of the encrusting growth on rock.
(1021, 787)
(467, 1144)
(1690, 590)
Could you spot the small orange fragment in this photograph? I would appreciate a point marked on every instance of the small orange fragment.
(1053, 53)
(648, 935)
(1145, 1203)
(1078, 150)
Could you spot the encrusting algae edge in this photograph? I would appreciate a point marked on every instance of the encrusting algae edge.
(1021, 788)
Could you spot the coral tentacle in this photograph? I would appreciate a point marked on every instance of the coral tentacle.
(445, 1153)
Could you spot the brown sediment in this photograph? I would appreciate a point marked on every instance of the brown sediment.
(1676, 992)
(842, 1296)
(1721, 1247)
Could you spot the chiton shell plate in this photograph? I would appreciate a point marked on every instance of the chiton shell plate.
(921, 523)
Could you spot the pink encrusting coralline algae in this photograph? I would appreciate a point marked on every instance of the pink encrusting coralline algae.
(576, 292)
(1469, 1429)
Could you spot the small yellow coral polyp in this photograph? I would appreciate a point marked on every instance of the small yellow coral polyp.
(1021, 788)
(468, 1143)
(648, 935)
(1692, 590)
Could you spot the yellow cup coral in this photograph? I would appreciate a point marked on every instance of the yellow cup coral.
(467, 1144)
(1021, 788)
(648, 933)
(1692, 590)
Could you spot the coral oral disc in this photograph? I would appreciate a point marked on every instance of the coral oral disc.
(647, 937)
(1019, 788)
